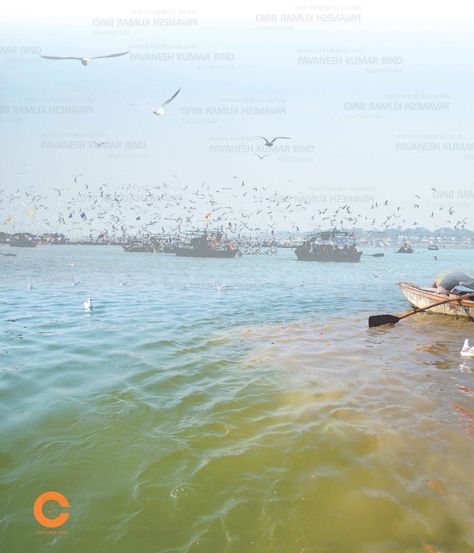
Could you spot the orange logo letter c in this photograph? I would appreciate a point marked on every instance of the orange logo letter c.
(38, 509)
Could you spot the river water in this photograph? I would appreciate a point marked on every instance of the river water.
(231, 405)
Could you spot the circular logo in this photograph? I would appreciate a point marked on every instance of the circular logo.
(54, 518)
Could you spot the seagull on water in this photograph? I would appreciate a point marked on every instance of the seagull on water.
(270, 143)
(87, 305)
(160, 110)
(467, 351)
(85, 61)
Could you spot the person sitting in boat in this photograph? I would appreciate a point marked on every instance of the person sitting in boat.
(448, 281)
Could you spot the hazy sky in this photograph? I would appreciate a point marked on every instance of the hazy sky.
(376, 95)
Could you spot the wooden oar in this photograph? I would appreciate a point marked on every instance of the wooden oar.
(379, 320)
(374, 254)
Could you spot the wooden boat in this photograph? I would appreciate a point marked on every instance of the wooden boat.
(208, 244)
(423, 297)
(329, 246)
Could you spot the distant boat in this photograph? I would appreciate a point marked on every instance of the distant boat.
(405, 248)
(23, 241)
(329, 246)
(208, 244)
(433, 247)
(423, 297)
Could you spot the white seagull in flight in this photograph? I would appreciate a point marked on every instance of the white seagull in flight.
(270, 143)
(161, 109)
(85, 61)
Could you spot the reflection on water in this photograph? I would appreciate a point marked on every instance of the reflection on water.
(233, 418)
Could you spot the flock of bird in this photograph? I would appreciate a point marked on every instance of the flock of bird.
(239, 208)
(170, 207)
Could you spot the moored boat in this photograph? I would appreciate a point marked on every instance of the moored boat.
(208, 244)
(329, 246)
(418, 297)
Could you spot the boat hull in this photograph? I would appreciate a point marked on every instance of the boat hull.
(424, 297)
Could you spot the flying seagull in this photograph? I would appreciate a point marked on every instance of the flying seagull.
(85, 61)
(270, 143)
(161, 109)
(261, 157)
